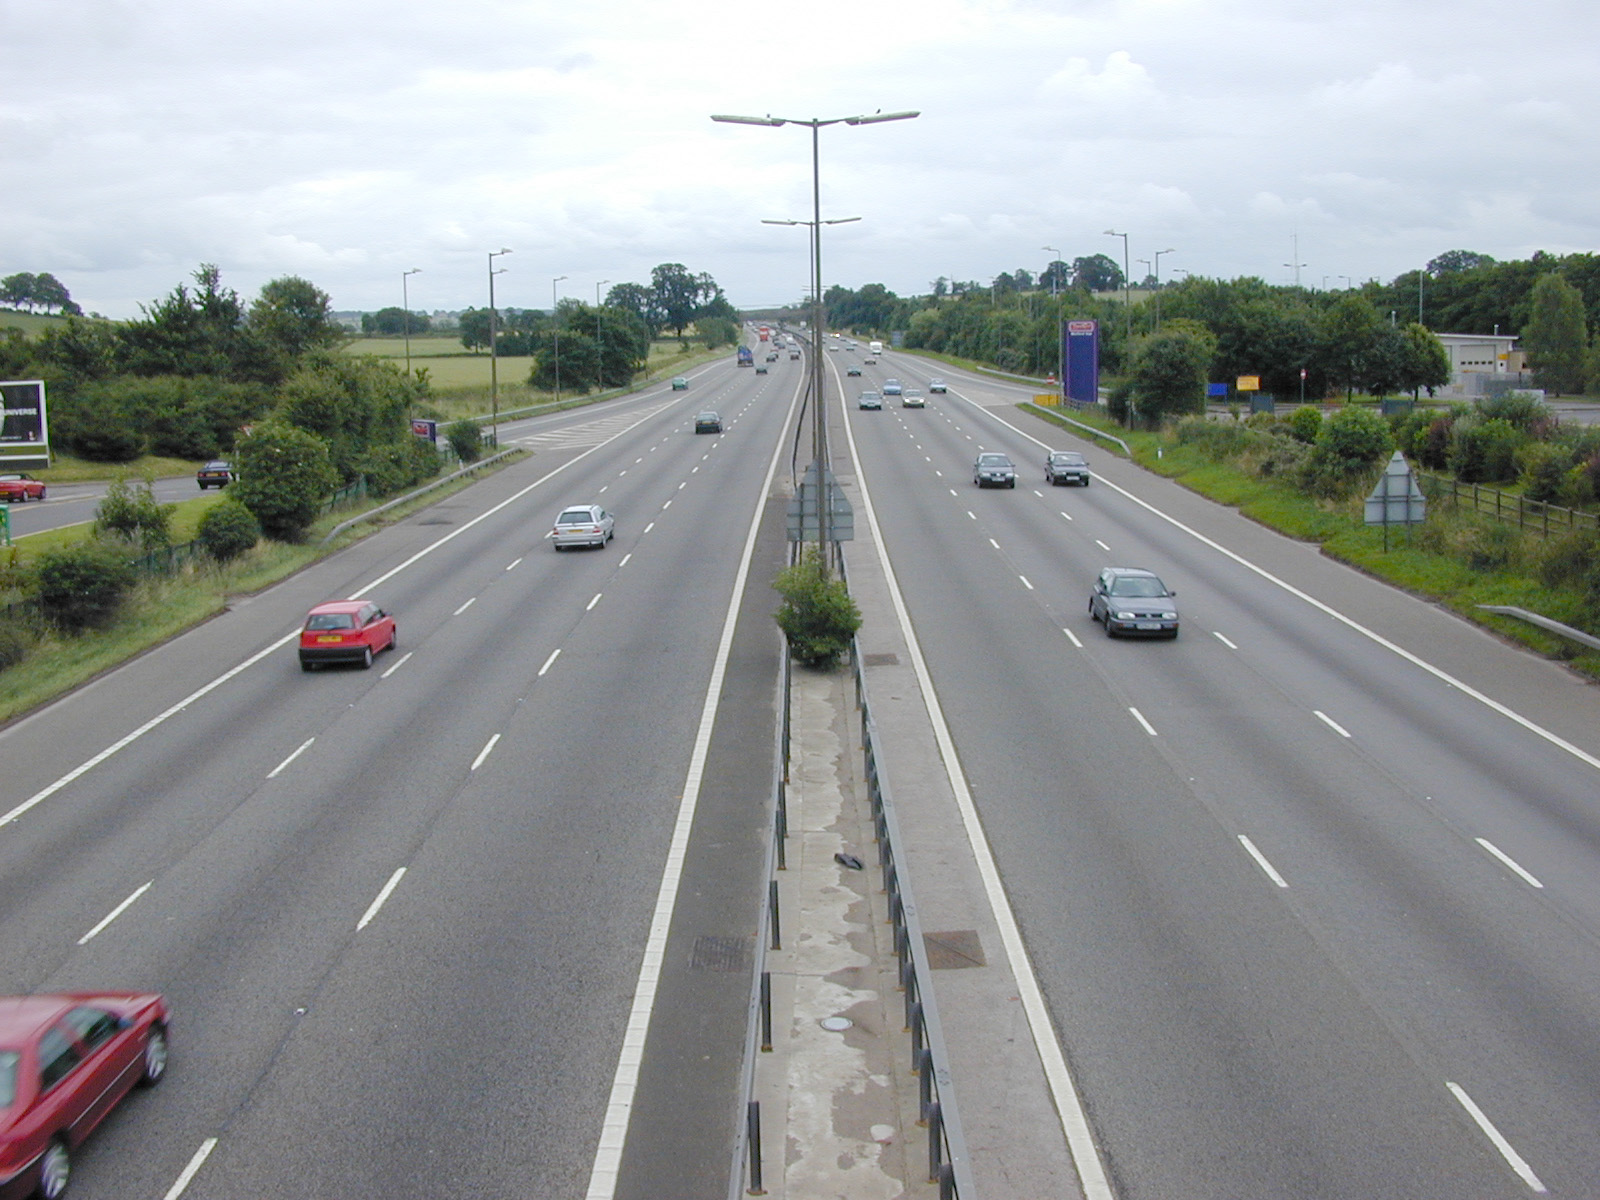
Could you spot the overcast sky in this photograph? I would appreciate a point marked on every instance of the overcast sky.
(349, 142)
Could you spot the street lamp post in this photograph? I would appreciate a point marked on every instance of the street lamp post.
(1052, 268)
(1127, 298)
(1159, 253)
(405, 301)
(1061, 365)
(494, 362)
(555, 333)
(819, 420)
(599, 341)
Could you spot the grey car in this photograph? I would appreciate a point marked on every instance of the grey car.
(869, 400)
(1066, 466)
(583, 525)
(994, 470)
(1133, 601)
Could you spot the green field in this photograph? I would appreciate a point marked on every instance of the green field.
(32, 324)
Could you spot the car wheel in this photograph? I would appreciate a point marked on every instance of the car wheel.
(366, 657)
(1110, 633)
(42, 492)
(394, 638)
(55, 1168)
(155, 1058)
(1085, 483)
(1012, 485)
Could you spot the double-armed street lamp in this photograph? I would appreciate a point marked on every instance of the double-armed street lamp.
(405, 301)
(1052, 268)
(1159, 253)
(599, 341)
(1127, 270)
(819, 420)
(555, 333)
(494, 367)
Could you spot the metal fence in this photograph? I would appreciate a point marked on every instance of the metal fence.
(1543, 519)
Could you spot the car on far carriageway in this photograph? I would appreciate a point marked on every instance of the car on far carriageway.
(1134, 601)
(708, 422)
(1066, 466)
(994, 470)
(215, 473)
(680, 384)
(20, 486)
(345, 631)
(65, 1062)
(583, 525)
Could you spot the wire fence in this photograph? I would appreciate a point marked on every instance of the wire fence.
(1507, 507)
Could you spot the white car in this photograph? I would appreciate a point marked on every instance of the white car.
(583, 525)
(911, 398)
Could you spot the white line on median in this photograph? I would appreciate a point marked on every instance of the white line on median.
(116, 912)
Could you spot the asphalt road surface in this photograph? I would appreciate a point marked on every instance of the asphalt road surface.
(1310, 892)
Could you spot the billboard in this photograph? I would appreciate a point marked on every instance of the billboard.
(1080, 354)
(24, 432)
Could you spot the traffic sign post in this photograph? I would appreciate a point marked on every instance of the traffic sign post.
(1397, 500)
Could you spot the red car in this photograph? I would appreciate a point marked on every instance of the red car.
(20, 486)
(65, 1062)
(345, 631)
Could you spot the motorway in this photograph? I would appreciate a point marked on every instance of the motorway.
(400, 914)
(1310, 892)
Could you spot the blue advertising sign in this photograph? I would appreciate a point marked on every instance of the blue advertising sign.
(24, 431)
(1080, 351)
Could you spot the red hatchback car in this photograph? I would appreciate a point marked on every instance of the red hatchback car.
(345, 631)
(20, 486)
(65, 1062)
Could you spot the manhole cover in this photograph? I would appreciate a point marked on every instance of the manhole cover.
(880, 660)
(712, 953)
(835, 1024)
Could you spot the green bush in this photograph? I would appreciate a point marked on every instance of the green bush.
(1546, 473)
(1305, 423)
(285, 475)
(395, 466)
(466, 439)
(1563, 562)
(14, 645)
(817, 615)
(1218, 440)
(1485, 451)
(82, 586)
(227, 530)
(133, 513)
(1352, 443)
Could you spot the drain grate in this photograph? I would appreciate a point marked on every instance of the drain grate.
(954, 950)
(713, 953)
(880, 660)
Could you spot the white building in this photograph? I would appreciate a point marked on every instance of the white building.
(1482, 363)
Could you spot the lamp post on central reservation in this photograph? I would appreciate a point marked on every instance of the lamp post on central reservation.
(820, 414)
(494, 367)
(405, 302)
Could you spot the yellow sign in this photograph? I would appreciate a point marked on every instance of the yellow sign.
(1248, 383)
(1047, 400)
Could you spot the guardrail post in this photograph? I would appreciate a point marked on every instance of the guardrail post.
(766, 1011)
(935, 1140)
(753, 1130)
(776, 942)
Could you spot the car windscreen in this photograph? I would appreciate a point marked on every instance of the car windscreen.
(993, 460)
(1067, 460)
(1140, 586)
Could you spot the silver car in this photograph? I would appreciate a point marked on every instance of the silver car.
(869, 400)
(583, 525)
(994, 470)
(911, 398)
(1066, 466)
(1131, 600)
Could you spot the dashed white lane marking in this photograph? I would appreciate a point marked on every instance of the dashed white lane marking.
(372, 909)
(1331, 723)
(1102, 545)
(1515, 1160)
(1261, 861)
(625, 559)
(1139, 717)
(304, 746)
(188, 1173)
(1073, 638)
(593, 602)
(464, 607)
(488, 748)
(116, 912)
(1068, 516)
(1223, 640)
(513, 564)
(400, 662)
(549, 662)
(1510, 863)
(1025, 582)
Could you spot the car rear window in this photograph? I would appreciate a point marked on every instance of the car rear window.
(330, 621)
(8, 1077)
(576, 516)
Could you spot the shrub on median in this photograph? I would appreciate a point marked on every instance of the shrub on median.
(817, 615)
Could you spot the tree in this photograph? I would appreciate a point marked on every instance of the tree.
(676, 295)
(1347, 332)
(474, 325)
(1096, 273)
(638, 300)
(295, 317)
(1554, 336)
(1452, 261)
(285, 475)
(1170, 370)
(1350, 444)
(1057, 277)
(198, 333)
(227, 529)
(353, 404)
(17, 290)
(393, 322)
(817, 615)
(1427, 362)
(82, 586)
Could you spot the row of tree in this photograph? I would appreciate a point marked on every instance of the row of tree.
(36, 292)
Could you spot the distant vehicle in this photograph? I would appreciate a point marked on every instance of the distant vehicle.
(937, 385)
(1066, 466)
(747, 356)
(912, 398)
(869, 400)
(20, 486)
(875, 347)
(345, 631)
(680, 384)
(761, 368)
(1134, 601)
(870, 361)
(65, 1062)
(772, 356)
(583, 525)
(891, 387)
(852, 369)
(214, 474)
(708, 422)
(793, 354)
(994, 470)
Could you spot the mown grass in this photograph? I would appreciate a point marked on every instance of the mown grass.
(1339, 529)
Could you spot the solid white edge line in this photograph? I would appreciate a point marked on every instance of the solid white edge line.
(398, 663)
(1510, 863)
(1331, 723)
(488, 748)
(1515, 1160)
(115, 912)
(1074, 1122)
(1261, 861)
(266, 651)
(619, 1107)
(189, 1172)
(1351, 623)
(377, 903)
(1139, 717)
(304, 746)
(549, 662)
